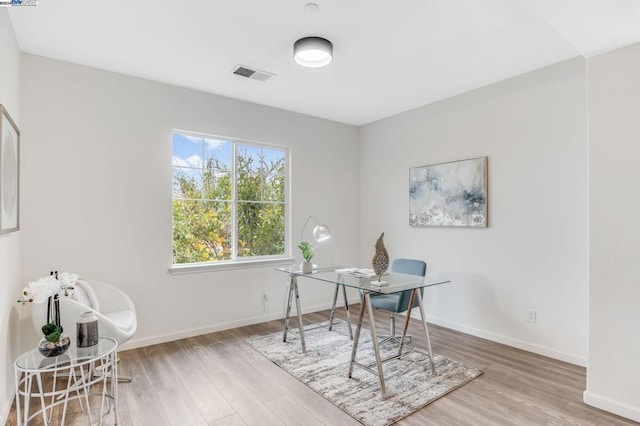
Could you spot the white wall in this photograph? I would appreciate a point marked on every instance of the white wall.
(613, 372)
(10, 286)
(97, 192)
(533, 255)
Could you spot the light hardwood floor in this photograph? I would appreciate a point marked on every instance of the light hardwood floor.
(216, 379)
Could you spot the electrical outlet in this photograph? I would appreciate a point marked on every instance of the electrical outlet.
(531, 316)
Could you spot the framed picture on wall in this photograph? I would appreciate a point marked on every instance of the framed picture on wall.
(449, 194)
(9, 173)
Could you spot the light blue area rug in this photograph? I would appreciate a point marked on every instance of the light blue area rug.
(410, 384)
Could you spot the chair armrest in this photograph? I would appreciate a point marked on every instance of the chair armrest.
(111, 298)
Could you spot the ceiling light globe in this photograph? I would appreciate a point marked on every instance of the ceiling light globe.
(313, 52)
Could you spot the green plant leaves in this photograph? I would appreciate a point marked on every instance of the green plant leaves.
(307, 250)
(51, 332)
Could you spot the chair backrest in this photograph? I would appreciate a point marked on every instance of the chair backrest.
(411, 267)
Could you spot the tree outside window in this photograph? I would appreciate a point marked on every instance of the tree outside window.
(228, 199)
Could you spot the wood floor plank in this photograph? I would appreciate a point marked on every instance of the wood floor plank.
(248, 406)
(157, 369)
(292, 413)
(233, 420)
(246, 373)
(211, 404)
(138, 401)
(180, 408)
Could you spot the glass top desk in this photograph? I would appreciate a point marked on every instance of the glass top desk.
(338, 276)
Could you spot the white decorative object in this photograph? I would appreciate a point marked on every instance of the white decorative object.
(9, 173)
(87, 330)
(306, 267)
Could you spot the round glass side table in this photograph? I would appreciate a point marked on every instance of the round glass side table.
(77, 370)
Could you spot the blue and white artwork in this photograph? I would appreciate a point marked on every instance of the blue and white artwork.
(449, 194)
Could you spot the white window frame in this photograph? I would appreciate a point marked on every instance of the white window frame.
(235, 262)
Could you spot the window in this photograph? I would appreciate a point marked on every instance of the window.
(229, 200)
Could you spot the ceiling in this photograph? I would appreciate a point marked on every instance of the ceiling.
(389, 56)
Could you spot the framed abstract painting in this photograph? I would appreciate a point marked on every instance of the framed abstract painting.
(9, 173)
(449, 194)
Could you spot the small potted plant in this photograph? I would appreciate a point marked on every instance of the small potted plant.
(46, 289)
(307, 253)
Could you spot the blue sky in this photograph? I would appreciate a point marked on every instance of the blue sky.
(189, 151)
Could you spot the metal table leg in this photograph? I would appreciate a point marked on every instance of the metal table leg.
(299, 312)
(288, 310)
(17, 376)
(114, 384)
(293, 290)
(367, 304)
(406, 321)
(376, 349)
(346, 308)
(356, 339)
(333, 307)
(426, 332)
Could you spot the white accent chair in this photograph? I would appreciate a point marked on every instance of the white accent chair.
(114, 309)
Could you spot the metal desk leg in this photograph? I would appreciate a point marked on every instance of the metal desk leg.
(333, 307)
(426, 332)
(43, 405)
(299, 311)
(17, 378)
(114, 385)
(72, 375)
(28, 377)
(406, 321)
(374, 339)
(356, 339)
(346, 308)
(288, 310)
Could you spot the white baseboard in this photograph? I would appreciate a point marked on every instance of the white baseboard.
(538, 349)
(611, 405)
(516, 343)
(169, 337)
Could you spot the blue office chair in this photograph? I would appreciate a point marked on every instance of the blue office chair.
(399, 302)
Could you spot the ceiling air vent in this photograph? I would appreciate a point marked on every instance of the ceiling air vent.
(252, 73)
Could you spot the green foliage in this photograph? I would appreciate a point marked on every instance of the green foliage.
(307, 250)
(51, 332)
(202, 210)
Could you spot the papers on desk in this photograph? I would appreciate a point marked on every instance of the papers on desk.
(357, 272)
(360, 272)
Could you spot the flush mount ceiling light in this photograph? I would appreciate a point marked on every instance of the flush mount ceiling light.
(313, 52)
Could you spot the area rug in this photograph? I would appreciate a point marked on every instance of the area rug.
(410, 384)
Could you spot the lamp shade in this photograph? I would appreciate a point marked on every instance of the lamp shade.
(313, 52)
(321, 233)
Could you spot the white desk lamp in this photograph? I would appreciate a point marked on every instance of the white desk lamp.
(320, 233)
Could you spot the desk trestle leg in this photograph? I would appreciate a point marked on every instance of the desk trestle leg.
(367, 304)
(299, 311)
(288, 310)
(426, 332)
(346, 308)
(333, 307)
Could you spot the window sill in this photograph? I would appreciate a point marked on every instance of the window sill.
(226, 266)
